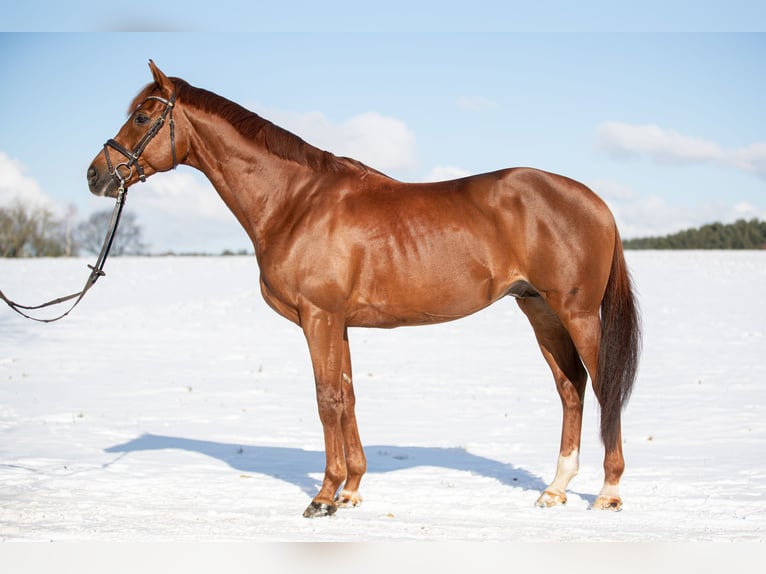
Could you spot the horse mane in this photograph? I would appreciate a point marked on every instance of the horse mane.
(275, 139)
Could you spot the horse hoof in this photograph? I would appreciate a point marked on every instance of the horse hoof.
(347, 498)
(549, 498)
(319, 509)
(613, 503)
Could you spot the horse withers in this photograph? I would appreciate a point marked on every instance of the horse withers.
(341, 245)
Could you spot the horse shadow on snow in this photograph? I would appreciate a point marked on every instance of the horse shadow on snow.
(295, 465)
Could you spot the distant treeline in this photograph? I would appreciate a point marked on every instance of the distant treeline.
(741, 234)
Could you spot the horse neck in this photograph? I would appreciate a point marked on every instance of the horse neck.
(253, 183)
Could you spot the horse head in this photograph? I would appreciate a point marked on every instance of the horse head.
(135, 152)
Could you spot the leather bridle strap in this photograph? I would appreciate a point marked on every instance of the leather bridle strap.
(134, 155)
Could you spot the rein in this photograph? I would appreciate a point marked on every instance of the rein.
(97, 270)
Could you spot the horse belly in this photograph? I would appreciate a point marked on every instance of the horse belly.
(406, 297)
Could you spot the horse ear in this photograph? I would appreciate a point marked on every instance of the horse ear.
(162, 80)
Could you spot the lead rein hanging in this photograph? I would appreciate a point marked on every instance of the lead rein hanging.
(97, 270)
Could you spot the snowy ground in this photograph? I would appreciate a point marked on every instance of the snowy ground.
(173, 405)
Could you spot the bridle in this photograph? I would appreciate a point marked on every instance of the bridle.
(133, 156)
(97, 270)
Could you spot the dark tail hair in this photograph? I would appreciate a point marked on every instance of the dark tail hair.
(620, 346)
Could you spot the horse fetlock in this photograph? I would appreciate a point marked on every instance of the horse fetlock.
(603, 502)
(348, 498)
(551, 498)
(608, 498)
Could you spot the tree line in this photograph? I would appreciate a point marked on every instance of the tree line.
(36, 231)
(741, 234)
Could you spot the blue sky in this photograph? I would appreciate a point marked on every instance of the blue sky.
(668, 127)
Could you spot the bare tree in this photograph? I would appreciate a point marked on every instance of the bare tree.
(69, 246)
(30, 231)
(89, 235)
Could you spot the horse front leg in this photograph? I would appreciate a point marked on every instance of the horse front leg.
(324, 335)
(356, 463)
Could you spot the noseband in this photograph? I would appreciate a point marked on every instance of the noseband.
(133, 156)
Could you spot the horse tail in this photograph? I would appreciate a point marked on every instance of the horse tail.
(620, 346)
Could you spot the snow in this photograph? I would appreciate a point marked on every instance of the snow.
(173, 405)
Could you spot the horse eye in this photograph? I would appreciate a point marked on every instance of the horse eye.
(142, 120)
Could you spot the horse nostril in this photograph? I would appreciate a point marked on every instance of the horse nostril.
(92, 175)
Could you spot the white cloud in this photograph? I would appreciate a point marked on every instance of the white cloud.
(382, 142)
(16, 185)
(649, 216)
(181, 211)
(182, 194)
(746, 210)
(671, 147)
(751, 158)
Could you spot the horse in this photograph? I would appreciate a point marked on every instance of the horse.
(340, 244)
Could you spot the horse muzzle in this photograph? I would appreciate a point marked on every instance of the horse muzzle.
(101, 182)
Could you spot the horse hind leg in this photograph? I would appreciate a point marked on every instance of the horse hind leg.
(586, 334)
(571, 378)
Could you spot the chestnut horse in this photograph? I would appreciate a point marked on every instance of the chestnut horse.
(342, 245)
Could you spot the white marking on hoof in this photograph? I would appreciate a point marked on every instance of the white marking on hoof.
(608, 498)
(550, 498)
(348, 498)
(605, 503)
(566, 470)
